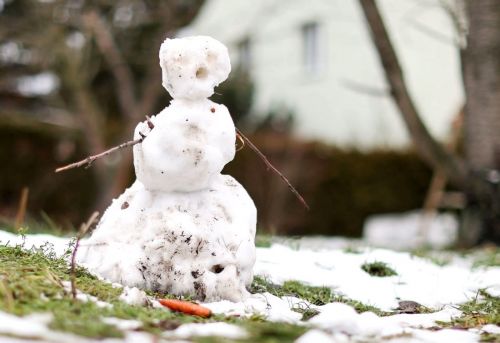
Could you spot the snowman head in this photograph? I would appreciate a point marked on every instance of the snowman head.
(193, 66)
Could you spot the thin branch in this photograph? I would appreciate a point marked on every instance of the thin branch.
(241, 141)
(87, 162)
(114, 58)
(83, 230)
(21, 211)
(426, 146)
(270, 166)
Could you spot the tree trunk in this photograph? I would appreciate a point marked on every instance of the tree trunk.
(481, 74)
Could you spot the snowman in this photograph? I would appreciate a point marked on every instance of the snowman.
(182, 228)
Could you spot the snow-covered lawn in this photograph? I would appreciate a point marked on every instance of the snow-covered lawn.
(432, 289)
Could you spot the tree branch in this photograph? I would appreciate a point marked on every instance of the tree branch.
(113, 56)
(427, 147)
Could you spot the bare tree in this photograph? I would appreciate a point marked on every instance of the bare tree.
(478, 173)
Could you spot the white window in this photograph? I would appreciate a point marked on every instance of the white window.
(244, 55)
(310, 42)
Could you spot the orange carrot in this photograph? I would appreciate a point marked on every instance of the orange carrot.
(186, 307)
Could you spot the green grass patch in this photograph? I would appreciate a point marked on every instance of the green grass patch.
(377, 268)
(489, 337)
(314, 295)
(489, 257)
(483, 309)
(440, 258)
(263, 240)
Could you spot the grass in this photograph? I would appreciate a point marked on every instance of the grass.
(483, 309)
(487, 257)
(263, 240)
(314, 295)
(32, 281)
(377, 268)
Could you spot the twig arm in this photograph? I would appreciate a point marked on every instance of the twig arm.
(273, 168)
(87, 162)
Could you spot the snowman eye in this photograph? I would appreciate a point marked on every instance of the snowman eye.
(217, 269)
(201, 73)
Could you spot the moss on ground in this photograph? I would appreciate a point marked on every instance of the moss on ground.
(378, 268)
(32, 281)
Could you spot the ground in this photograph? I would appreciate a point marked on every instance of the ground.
(305, 290)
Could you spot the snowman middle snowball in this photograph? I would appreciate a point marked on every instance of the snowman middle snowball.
(182, 227)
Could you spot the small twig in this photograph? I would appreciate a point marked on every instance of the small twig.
(87, 162)
(241, 141)
(270, 166)
(150, 123)
(83, 230)
(21, 211)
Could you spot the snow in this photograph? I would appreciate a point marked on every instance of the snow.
(220, 329)
(182, 227)
(134, 296)
(193, 66)
(187, 148)
(123, 324)
(33, 325)
(418, 279)
(265, 304)
(411, 230)
(315, 336)
(58, 244)
(84, 297)
(490, 328)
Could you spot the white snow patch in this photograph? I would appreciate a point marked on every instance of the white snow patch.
(491, 328)
(58, 244)
(28, 326)
(123, 324)
(418, 279)
(411, 230)
(134, 296)
(84, 297)
(444, 336)
(265, 304)
(315, 336)
(208, 329)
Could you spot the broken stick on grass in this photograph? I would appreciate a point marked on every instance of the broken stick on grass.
(83, 230)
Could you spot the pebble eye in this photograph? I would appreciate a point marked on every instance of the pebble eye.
(201, 73)
(217, 269)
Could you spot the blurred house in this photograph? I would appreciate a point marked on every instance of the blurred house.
(315, 59)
